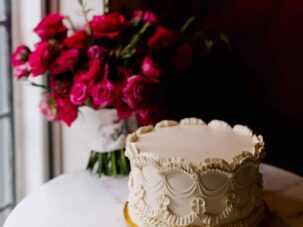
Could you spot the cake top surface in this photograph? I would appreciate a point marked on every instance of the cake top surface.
(195, 141)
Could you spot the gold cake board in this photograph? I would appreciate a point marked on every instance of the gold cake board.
(130, 222)
(127, 218)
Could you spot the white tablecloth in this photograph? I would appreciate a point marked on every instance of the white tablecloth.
(84, 200)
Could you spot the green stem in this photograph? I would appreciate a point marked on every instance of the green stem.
(110, 163)
(85, 15)
(100, 167)
(187, 24)
(114, 163)
(90, 164)
(72, 25)
(124, 164)
(106, 161)
(39, 85)
(135, 39)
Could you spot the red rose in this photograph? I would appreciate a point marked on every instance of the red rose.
(48, 107)
(108, 25)
(145, 16)
(59, 87)
(78, 94)
(20, 56)
(79, 40)
(183, 58)
(138, 91)
(51, 26)
(65, 61)
(89, 73)
(97, 52)
(123, 110)
(40, 59)
(150, 115)
(21, 71)
(162, 38)
(66, 111)
(150, 69)
(104, 93)
(119, 74)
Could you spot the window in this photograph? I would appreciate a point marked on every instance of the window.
(6, 115)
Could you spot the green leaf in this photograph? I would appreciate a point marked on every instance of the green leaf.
(209, 44)
(224, 38)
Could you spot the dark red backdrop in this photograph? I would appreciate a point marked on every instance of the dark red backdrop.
(268, 36)
(260, 84)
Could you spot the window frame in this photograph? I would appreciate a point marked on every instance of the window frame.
(9, 112)
(30, 130)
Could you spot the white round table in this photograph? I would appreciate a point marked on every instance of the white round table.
(84, 200)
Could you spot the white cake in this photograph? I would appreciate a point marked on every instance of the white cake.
(195, 174)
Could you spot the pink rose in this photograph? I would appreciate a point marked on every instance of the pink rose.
(66, 61)
(108, 25)
(58, 108)
(145, 16)
(51, 26)
(183, 57)
(78, 94)
(150, 69)
(66, 111)
(20, 56)
(162, 38)
(104, 93)
(97, 52)
(79, 40)
(150, 115)
(48, 107)
(21, 71)
(123, 110)
(138, 91)
(40, 59)
(89, 73)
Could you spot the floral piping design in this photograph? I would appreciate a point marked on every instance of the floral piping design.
(163, 202)
(199, 209)
(198, 206)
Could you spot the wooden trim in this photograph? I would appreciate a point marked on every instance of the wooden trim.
(56, 149)
(52, 6)
(54, 131)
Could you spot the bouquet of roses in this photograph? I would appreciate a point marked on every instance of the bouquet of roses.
(110, 62)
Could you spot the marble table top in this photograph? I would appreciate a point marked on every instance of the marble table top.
(84, 200)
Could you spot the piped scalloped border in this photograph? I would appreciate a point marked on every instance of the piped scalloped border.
(255, 155)
(254, 219)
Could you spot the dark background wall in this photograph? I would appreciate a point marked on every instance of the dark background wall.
(268, 35)
(259, 84)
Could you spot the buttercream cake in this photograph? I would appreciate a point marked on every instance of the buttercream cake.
(195, 174)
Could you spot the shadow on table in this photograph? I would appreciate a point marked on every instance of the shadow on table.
(277, 222)
(283, 209)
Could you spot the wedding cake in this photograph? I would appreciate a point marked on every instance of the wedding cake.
(194, 174)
